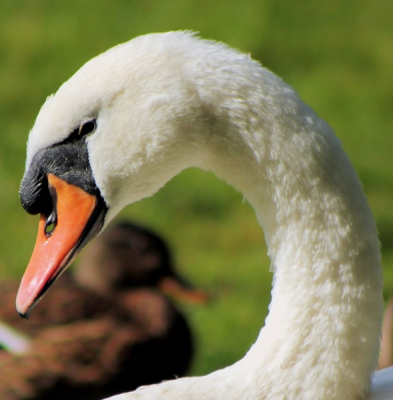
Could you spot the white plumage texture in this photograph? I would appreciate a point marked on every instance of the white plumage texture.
(165, 102)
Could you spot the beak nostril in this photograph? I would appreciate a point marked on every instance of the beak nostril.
(51, 219)
(50, 225)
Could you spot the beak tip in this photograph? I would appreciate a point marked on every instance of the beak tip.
(24, 302)
(24, 314)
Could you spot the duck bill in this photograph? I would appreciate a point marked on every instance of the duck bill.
(177, 290)
(75, 219)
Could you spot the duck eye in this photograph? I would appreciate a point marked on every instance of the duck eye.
(87, 127)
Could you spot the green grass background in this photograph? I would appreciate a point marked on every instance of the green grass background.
(337, 54)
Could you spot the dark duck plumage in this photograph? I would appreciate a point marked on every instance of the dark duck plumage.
(105, 329)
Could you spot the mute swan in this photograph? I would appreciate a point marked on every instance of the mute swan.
(135, 116)
(86, 345)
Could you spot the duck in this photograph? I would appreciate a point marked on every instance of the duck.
(137, 115)
(107, 327)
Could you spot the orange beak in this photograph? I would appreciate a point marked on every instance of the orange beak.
(59, 238)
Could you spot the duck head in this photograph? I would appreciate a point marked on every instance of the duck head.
(128, 256)
(91, 148)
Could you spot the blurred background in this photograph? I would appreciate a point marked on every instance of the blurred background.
(337, 54)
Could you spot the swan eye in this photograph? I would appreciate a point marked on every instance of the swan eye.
(87, 127)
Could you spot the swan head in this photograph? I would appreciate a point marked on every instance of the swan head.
(91, 148)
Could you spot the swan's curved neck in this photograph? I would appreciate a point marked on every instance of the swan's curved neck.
(326, 299)
(321, 338)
